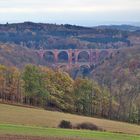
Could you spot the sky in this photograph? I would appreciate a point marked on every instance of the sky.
(78, 12)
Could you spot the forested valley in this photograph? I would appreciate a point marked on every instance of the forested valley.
(112, 91)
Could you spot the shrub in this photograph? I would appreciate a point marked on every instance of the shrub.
(88, 126)
(65, 124)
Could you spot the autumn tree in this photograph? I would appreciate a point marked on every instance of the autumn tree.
(34, 86)
(60, 88)
(10, 84)
(87, 96)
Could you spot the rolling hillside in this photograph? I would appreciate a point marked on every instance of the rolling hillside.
(38, 117)
(15, 55)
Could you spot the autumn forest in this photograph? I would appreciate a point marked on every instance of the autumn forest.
(54, 89)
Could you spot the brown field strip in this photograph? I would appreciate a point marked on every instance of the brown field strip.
(39, 117)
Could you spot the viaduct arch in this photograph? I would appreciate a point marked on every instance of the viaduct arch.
(74, 57)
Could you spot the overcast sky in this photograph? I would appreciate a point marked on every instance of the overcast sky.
(79, 12)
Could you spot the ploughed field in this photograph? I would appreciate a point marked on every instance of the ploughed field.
(37, 124)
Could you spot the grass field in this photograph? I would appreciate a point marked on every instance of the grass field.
(38, 117)
(55, 132)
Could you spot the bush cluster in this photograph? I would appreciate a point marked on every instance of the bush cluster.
(84, 125)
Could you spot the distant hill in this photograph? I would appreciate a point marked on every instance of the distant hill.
(121, 27)
(50, 36)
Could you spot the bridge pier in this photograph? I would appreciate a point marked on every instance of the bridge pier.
(70, 58)
(41, 53)
(55, 56)
(76, 56)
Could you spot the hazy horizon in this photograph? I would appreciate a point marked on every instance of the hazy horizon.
(75, 12)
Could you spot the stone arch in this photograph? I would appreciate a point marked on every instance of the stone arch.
(49, 56)
(63, 57)
(93, 57)
(103, 54)
(83, 56)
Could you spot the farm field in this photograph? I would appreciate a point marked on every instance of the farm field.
(38, 117)
(57, 134)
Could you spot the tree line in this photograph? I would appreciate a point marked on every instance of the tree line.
(54, 89)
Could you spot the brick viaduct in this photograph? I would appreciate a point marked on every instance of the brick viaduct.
(93, 55)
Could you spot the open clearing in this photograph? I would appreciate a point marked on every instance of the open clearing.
(38, 117)
(64, 133)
